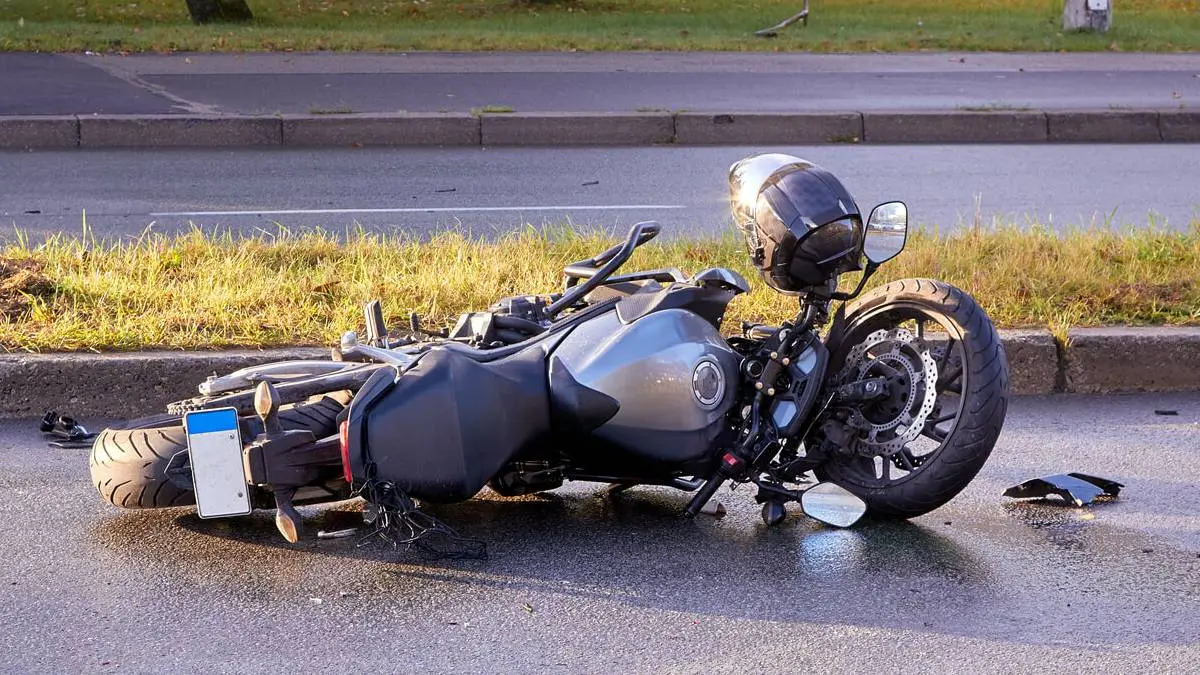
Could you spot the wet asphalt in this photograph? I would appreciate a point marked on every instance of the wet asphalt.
(582, 582)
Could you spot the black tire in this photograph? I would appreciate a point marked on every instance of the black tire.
(982, 397)
(129, 464)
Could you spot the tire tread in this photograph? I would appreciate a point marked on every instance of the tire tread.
(981, 420)
(135, 457)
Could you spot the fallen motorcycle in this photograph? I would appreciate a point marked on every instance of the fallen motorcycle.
(620, 378)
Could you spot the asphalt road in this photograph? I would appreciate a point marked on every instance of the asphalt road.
(495, 189)
(581, 583)
(314, 83)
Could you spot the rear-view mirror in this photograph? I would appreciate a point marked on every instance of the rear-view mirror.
(832, 504)
(887, 230)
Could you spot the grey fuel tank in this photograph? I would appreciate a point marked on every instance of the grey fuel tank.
(657, 385)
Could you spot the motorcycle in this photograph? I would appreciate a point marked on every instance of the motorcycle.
(619, 378)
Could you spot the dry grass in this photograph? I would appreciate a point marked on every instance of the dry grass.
(482, 25)
(198, 291)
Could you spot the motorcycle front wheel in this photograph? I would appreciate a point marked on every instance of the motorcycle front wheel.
(948, 384)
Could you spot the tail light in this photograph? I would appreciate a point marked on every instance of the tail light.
(344, 436)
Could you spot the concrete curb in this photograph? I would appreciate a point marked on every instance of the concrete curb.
(167, 131)
(363, 130)
(768, 128)
(551, 129)
(1098, 360)
(118, 385)
(955, 127)
(1109, 126)
(577, 129)
(39, 132)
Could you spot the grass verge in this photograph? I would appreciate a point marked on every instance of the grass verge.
(200, 291)
(483, 25)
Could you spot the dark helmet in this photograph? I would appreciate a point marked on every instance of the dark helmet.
(801, 225)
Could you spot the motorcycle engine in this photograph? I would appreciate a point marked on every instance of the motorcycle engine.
(528, 307)
(523, 478)
(509, 321)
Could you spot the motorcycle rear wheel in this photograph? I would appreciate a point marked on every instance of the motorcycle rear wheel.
(129, 464)
(971, 399)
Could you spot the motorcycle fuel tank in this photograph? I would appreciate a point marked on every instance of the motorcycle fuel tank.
(670, 374)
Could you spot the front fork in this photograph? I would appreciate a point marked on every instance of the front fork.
(762, 435)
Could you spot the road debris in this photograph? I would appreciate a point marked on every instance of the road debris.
(337, 534)
(61, 431)
(773, 31)
(1074, 488)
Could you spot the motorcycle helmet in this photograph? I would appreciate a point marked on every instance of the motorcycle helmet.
(802, 227)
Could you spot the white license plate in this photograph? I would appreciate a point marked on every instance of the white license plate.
(215, 451)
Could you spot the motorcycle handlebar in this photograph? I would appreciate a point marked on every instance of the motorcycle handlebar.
(611, 260)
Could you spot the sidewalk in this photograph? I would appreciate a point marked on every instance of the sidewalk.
(594, 98)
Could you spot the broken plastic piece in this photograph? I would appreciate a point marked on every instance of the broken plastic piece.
(64, 432)
(1075, 488)
(337, 534)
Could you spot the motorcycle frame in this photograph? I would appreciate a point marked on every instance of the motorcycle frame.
(758, 442)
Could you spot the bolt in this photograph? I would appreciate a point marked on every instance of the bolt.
(771, 391)
(774, 355)
(786, 361)
(758, 386)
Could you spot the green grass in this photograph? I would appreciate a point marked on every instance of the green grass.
(198, 291)
(482, 25)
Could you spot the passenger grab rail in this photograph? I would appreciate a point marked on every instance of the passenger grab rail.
(608, 262)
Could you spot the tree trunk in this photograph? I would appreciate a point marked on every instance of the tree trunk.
(1091, 15)
(208, 11)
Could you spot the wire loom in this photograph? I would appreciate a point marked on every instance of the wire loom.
(398, 520)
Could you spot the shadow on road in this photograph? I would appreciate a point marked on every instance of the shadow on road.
(637, 550)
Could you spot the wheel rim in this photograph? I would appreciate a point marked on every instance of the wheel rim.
(951, 359)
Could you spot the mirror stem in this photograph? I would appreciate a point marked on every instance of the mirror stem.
(867, 273)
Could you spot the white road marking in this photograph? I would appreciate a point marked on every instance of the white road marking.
(438, 209)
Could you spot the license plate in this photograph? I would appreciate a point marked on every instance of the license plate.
(215, 450)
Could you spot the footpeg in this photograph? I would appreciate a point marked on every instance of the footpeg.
(287, 519)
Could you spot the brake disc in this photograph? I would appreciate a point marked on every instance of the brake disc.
(897, 350)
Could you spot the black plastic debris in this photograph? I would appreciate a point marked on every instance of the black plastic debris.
(1075, 488)
(1166, 412)
(62, 431)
